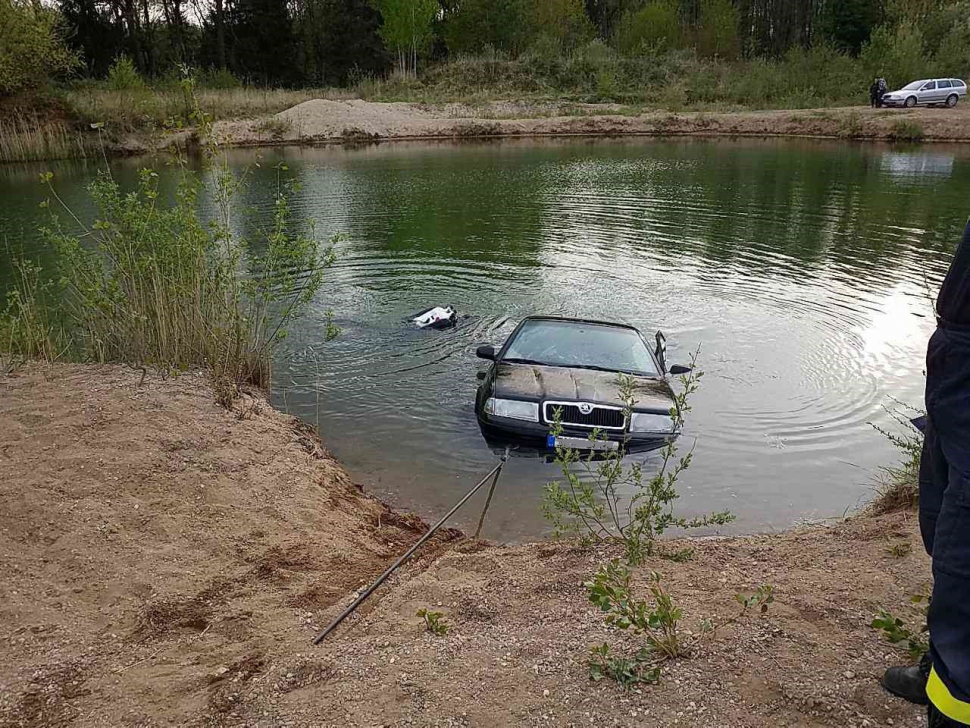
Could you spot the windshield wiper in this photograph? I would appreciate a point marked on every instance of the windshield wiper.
(517, 360)
(593, 367)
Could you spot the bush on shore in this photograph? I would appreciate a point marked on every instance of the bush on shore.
(153, 285)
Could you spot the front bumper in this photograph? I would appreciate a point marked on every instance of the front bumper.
(531, 438)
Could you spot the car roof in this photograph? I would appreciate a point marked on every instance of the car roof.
(567, 319)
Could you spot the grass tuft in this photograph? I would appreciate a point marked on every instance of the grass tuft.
(897, 486)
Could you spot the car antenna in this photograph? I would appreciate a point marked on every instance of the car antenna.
(494, 473)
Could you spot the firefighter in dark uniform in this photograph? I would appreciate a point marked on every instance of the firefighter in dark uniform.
(943, 677)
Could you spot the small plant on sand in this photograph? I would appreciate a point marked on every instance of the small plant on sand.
(434, 622)
(656, 621)
(898, 485)
(898, 632)
(900, 549)
(627, 671)
(589, 504)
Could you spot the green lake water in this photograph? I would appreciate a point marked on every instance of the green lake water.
(800, 268)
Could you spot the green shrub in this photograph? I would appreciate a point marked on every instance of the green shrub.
(898, 485)
(650, 30)
(153, 284)
(717, 34)
(28, 328)
(904, 130)
(656, 622)
(895, 54)
(32, 46)
(219, 78)
(591, 507)
(896, 630)
(123, 76)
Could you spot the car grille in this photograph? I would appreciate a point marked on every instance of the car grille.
(604, 418)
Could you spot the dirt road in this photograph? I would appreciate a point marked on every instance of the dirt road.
(324, 121)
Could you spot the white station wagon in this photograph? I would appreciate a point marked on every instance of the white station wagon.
(946, 91)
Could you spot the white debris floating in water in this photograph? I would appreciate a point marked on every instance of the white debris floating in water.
(439, 317)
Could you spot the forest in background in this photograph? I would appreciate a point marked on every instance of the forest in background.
(123, 61)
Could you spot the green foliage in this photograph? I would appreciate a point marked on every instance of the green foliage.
(610, 590)
(656, 621)
(760, 598)
(219, 78)
(153, 285)
(434, 622)
(564, 22)
(407, 29)
(899, 549)
(946, 35)
(899, 484)
(591, 507)
(895, 54)
(717, 32)
(480, 25)
(847, 24)
(627, 671)
(896, 630)
(28, 329)
(122, 76)
(33, 48)
(652, 29)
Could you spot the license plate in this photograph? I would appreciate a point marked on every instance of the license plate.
(581, 443)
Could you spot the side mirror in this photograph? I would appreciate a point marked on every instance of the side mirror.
(480, 376)
(486, 352)
(679, 369)
(661, 350)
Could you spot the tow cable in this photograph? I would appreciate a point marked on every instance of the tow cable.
(494, 474)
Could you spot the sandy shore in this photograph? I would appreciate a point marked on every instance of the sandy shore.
(167, 562)
(321, 121)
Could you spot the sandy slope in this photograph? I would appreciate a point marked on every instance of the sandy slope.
(321, 121)
(167, 562)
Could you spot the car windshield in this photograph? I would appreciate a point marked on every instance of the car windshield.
(912, 86)
(578, 344)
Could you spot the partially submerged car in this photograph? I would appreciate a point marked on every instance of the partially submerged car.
(572, 367)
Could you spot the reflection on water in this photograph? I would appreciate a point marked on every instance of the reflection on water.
(800, 269)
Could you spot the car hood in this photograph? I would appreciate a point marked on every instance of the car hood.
(531, 382)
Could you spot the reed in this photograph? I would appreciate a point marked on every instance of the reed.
(28, 138)
(145, 109)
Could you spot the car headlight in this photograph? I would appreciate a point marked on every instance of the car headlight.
(649, 422)
(513, 409)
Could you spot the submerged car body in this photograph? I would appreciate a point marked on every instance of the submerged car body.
(572, 367)
(926, 92)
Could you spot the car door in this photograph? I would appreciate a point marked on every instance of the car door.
(926, 93)
(942, 90)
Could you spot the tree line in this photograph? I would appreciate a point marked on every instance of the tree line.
(339, 42)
